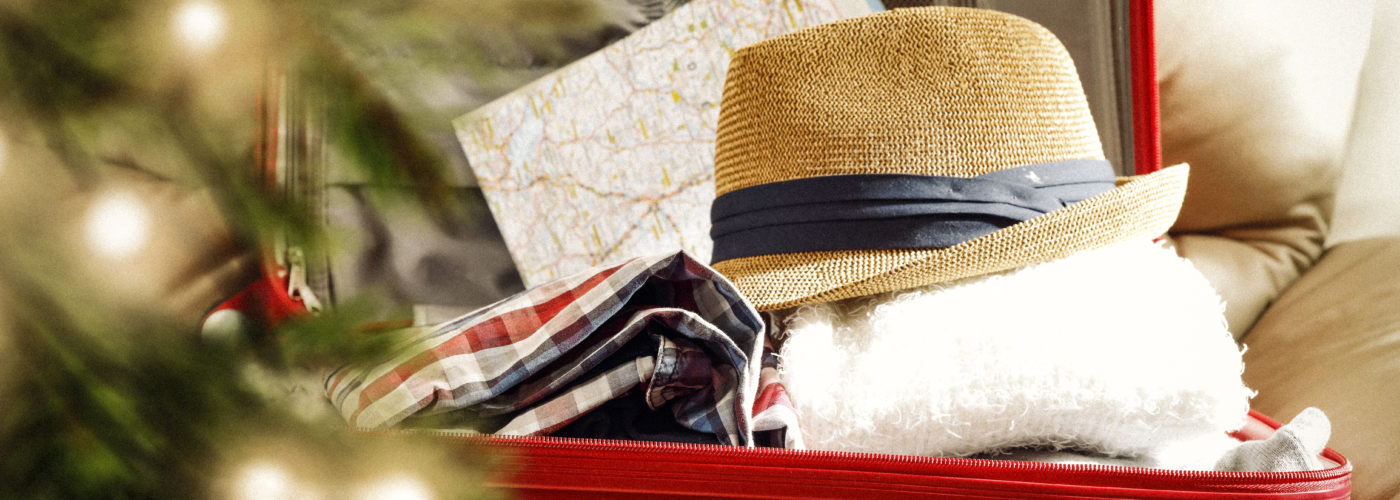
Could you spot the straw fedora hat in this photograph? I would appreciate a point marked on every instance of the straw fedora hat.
(913, 147)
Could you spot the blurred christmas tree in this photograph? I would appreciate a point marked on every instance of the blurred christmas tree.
(129, 202)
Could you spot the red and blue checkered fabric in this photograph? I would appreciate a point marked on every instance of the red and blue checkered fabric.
(667, 325)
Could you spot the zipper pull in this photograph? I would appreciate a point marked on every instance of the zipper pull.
(297, 287)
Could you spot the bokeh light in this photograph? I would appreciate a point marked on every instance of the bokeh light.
(264, 481)
(200, 25)
(118, 225)
(397, 488)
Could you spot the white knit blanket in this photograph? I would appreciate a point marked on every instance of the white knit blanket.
(1115, 351)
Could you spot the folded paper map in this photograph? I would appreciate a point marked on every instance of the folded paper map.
(613, 156)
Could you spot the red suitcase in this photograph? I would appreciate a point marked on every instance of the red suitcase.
(554, 467)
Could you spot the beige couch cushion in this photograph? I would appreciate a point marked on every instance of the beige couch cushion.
(1257, 96)
(1332, 340)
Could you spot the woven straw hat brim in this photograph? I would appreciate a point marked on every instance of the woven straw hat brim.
(1139, 207)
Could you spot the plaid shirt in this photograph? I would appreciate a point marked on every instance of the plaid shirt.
(552, 353)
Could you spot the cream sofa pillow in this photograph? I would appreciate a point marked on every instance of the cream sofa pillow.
(1368, 197)
(1257, 96)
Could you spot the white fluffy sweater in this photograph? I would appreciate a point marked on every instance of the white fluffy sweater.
(1116, 351)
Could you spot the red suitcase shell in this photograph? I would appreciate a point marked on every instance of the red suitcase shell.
(546, 467)
(555, 467)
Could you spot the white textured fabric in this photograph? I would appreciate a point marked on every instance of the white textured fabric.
(1111, 351)
(1197, 454)
(1294, 447)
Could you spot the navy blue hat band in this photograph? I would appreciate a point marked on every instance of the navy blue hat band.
(894, 211)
